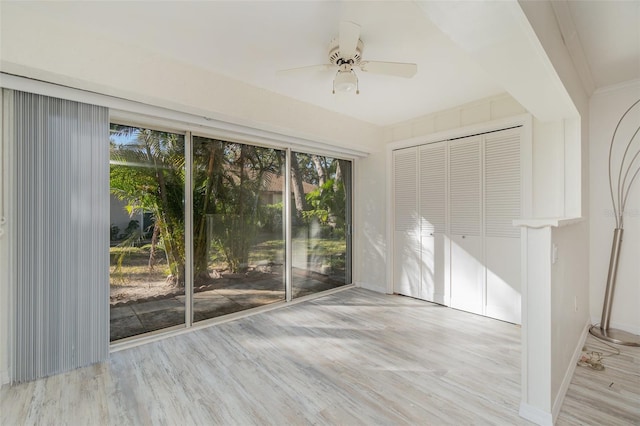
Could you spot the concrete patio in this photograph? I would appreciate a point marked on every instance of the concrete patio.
(135, 318)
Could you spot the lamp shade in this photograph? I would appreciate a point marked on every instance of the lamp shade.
(345, 81)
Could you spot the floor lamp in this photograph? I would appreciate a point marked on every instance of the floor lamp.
(627, 173)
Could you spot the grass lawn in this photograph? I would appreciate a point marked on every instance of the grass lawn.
(134, 267)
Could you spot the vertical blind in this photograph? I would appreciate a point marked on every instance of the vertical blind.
(61, 293)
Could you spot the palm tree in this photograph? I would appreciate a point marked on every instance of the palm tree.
(147, 172)
(229, 208)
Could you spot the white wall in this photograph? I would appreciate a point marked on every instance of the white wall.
(556, 308)
(548, 169)
(568, 278)
(569, 306)
(370, 222)
(543, 21)
(481, 111)
(606, 107)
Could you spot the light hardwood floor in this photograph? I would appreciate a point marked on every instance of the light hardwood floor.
(607, 397)
(353, 357)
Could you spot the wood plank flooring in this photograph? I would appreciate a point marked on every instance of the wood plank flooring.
(353, 357)
(609, 397)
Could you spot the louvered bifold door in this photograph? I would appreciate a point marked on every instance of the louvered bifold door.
(61, 289)
(433, 219)
(406, 267)
(502, 239)
(465, 219)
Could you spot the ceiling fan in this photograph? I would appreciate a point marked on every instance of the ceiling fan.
(345, 54)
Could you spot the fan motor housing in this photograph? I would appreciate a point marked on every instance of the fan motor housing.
(335, 55)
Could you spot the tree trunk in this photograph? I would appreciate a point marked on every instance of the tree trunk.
(242, 251)
(320, 169)
(200, 243)
(338, 177)
(154, 244)
(298, 189)
(176, 260)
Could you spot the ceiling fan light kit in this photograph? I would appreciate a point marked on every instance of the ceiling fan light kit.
(346, 82)
(345, 53)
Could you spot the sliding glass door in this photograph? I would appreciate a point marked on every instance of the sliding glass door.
(147, 274)
(238, 227)
(321, 223)
(231, 255)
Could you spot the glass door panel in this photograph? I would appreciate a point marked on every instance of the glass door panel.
(321, 223)
(147, 274)
(238, 227)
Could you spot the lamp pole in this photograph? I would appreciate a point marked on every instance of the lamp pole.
(619, 200)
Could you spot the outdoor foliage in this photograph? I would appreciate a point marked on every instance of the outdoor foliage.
(326, 204)
(233, 190)
(147, 173)
(228, 181)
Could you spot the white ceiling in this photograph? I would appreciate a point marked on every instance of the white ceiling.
(609, 33)
(251, 40)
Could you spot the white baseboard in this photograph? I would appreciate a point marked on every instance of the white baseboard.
(535, 415)
(630, 328)
(372, 287)
(568, 375)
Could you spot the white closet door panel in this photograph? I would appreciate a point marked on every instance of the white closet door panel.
(433, 187)
(502, 184)
(405, 189)
(432, 209)
(465, 187)
(407, 258)
(467, 273)
(503, 279)
(406, 265)
(465, 215)
(433, 268)
(502, 239)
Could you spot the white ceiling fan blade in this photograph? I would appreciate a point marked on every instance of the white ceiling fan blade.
(349, 36)
(398, 69)
(322, 67)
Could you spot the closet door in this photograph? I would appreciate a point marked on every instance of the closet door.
(433, 219)
(502, 239)
(465, 218)
(406, 265)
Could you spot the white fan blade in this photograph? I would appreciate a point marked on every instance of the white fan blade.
(349, 36)
(398, 69)
(323, 67)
